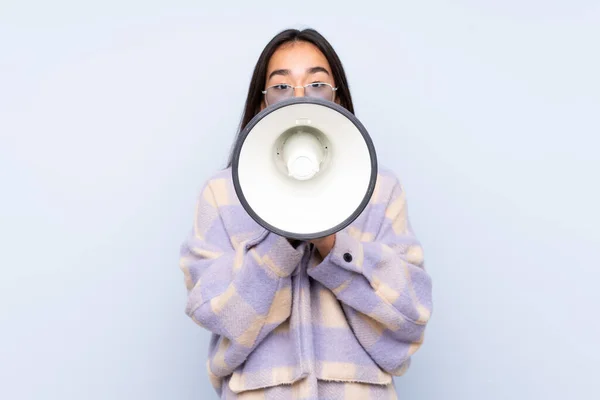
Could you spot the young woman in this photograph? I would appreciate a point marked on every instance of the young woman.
(335, 318)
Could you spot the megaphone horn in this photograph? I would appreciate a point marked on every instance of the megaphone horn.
(304, 168)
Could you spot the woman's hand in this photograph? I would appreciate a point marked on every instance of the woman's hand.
(324, 245)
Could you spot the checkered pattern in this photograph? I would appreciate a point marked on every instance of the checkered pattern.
(288, 324)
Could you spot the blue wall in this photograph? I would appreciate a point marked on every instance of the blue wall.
(112, 115)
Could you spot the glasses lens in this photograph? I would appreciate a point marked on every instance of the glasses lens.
(319, 90)
(279, 93)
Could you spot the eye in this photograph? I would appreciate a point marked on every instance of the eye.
(317, 85)
(282, 86)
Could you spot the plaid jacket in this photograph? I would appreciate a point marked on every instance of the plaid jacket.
(279, 314)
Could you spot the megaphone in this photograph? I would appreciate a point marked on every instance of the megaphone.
(304, 168)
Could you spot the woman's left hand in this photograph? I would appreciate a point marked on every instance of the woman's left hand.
(324, 244)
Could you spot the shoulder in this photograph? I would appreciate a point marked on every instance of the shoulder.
(218, 189)
(219, 178)
(222, 175)
(387, 176)
(388, 185)
(219, 215)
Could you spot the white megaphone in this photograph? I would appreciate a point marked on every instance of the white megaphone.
(304, 168)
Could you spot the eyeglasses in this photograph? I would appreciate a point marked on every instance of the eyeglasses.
(284, 91)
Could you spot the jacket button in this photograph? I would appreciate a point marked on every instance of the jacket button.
(347, 257)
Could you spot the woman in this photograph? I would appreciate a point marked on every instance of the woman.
(335, 318)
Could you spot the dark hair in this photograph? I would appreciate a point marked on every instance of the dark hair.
(257, 83)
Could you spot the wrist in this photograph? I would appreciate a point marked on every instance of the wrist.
(324, 245)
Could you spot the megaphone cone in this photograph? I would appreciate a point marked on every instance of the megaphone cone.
(304, 168)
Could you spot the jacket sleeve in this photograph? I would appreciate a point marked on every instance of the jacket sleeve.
(238, 291)
(382, 285)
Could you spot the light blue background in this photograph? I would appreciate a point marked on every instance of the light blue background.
(113, 114)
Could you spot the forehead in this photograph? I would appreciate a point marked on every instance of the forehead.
(297, 57)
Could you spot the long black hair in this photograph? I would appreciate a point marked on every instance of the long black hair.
(258, 80)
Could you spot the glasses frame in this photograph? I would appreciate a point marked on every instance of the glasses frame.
(334, 89)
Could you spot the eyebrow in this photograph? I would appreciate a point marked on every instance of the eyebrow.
(314, 70)
(309, 71)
